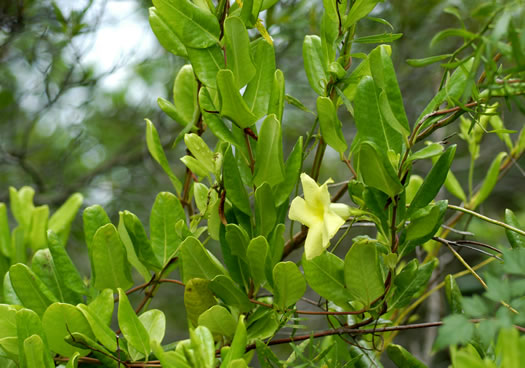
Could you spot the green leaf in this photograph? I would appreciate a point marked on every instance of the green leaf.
(456, 329)
(265, 209)
(198, 298)
(28, 324)
(93, 217)
(203, 347)
(43, 266)
(453, 294)
(154, 321)
(508, 348)
(140, 241)
(379, 38)
(165, 213)
(59, 321)
(35, 353)
(102, 306)
(109, 260)
(224, 287)
(377, 172)
(259, 89)
(257, 254)
(315, 64)
(362, 274)
(9, 294)
(269, 166)
(167, 38)
(130, 250)
(37, 232)
(238, 346)
(409, 281)
(157, 152)
(206, 63)
(238, 50)
(370, 122)
(331, 127)
(292, 170)
(197, 261)
(99, 352)
(69, 278)
(131, 327)
(359, 9)
(490, 180)
(73, 361)
(402, 358)
(452, 32)
(31, 291)
(433, 181)
(325, 275)
(22, 205)
(201, 151)
(289, 284)
(8, 330)
(233, 184)
(60, 221)
(185, 95)
(100, 329)
(170, 358)
(219, 321)
(453, 186)
(276, 104)
(516, 240)
(194, 26)
(433, 149)
(238, 240)
(5, 233)
(425, 222)
(418, 63)
(232, 104)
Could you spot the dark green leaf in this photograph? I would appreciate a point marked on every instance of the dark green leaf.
(516, 240)
(289, 284)
(292, 169)
(257, 254)
(232, 104)
(453, 295)
(409, 281)
(233, 184)
(192, 25)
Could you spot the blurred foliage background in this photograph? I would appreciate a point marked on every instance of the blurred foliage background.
(78, 79)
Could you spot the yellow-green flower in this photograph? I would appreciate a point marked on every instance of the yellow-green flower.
(316, 211)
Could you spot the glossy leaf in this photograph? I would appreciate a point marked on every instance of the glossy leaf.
(102, 306)
(130, 250)
(109, 260)
(31, 291)
(409, 281)
(8, 330)
(325, 275)
(292, 169)
(402, 358)
(28, 323)
(154, 321)
(59, 321)
(201, 152)
(238, 240)
(141, 243)
(269, 166)
(377, 172)
(185, 95)
(193, 26)
(425, 222)
(232, 104)
(516, 240)
(157, 152)
(362, 275)
(369, 121)
(490, 180)
(224, 287)
(43, 266)
(165, 213)
(315, 64)
(197, 261)
(289, 284)
(276, 104)
(238, 50)
(453, 294)
(35, 353)
(331, 127)
(102, 332)
(259, 89)
(233, 184)
(238, 346)
(131, 327)
(60, 221)
(206, 63)
(257, 254)
(198, 298)
(433, 181)
(359, 9)
(219, 321)
(433, 149)
(99, 352)
(203, 347)
(37, 231)
(167, 38)
(5, 233)
(93, 217)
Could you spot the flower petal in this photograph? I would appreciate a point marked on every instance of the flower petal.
(341, 210)
(300, 211)
(313, 245)
(332, 223)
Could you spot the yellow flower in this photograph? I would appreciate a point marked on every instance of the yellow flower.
(316, 211)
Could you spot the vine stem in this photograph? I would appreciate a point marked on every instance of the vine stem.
(487, 219)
